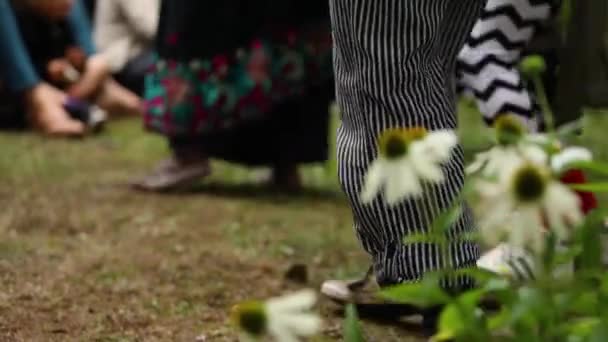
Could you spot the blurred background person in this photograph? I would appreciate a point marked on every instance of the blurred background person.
(214, 90)
(52, 42)
(19, 79)
(124, 33)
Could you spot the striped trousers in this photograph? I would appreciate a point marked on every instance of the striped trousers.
(487, 65)
(395, 63)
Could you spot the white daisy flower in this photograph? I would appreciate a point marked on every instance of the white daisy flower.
(284, 319)
(514, 146)
(524, 204)
(500, 158)
(407, 159)
(570, 155)
(561, 158)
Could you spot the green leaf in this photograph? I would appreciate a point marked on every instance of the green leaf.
(590, 238)
(461, 317)
(481, 276)
(500, 320)
(592, 166)
(426, 293)
(568, 255)
(352, 328)
(451, 323)
(445, 221)
(438, 239)
(470, 299)
(590, 187)
(497, 284)
(585, 303)
(583, 327)
(527, 310)
(550, 251)
(600, 333)
(604, 285)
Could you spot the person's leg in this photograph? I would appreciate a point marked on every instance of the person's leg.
(488, 64)
(394, 64)
(118, 100)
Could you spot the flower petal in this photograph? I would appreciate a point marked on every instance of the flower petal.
(534, 154)
(492, 224)
(501, 161)
(374, 180)
(480, 161)
(561, 161)
(425, 168)
(303, 325)
(281, 333)
(563, 210)
(527, 229)
(296, 302)
(439, 145)
(401, 183)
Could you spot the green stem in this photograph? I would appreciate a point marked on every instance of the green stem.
(544, 103)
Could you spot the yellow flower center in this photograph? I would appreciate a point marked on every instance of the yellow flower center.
(529, 184)
(394, 143)
(251, 318)
(509, 129)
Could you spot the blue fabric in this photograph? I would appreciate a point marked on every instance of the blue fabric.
(81, 27)
(15, 64)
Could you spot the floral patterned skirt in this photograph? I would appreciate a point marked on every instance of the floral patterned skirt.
(205, 82)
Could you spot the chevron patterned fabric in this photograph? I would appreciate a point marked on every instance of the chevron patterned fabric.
(487, 65)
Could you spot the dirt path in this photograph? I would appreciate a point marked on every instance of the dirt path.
(83, 258)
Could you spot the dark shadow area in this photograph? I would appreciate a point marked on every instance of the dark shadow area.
(402, 317)
(258, 192)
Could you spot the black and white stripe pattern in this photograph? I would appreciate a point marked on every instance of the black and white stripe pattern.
(487, 66)
(395, 66)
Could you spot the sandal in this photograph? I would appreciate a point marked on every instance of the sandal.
(172, 174)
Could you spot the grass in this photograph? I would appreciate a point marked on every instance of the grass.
(83, 258)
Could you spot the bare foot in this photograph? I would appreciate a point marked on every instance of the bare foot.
(118, 100)
(57, 124)
(45, 109)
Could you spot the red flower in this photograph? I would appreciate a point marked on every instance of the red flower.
(588, 199)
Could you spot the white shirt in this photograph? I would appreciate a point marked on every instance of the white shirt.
(125, 29)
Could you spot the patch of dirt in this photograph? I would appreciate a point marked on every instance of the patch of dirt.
(83, 258)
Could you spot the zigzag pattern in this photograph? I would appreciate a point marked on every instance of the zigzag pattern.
(477, 67)
(523, 12)
(487, 65)
(509, 81)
